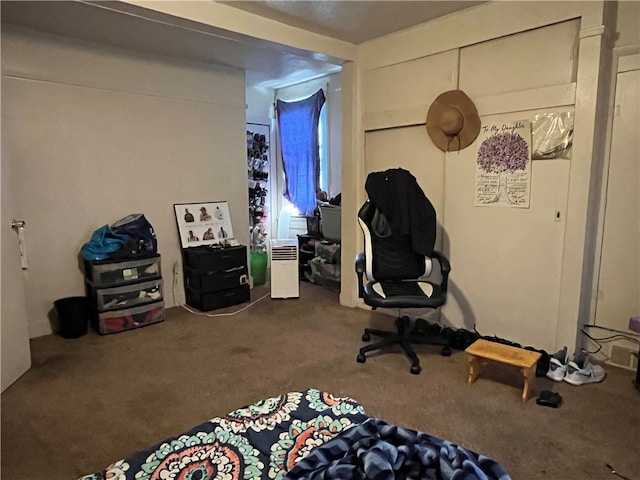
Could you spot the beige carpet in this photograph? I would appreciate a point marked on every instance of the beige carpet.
(91, 401)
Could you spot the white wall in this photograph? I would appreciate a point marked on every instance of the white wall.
(259, 105)
(618, 297)
(94, 133)
(619, 279)
(628, 24)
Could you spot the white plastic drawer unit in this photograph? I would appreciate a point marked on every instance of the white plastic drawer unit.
(120, 320)
(117, 273)
(128, 295)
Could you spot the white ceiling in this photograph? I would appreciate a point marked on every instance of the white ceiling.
(351, 21)
(266, 65)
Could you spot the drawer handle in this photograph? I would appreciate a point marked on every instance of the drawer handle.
(235, 269)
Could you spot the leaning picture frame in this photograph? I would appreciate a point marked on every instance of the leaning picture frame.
(206, 223)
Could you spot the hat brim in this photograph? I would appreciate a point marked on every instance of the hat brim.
(470, 126)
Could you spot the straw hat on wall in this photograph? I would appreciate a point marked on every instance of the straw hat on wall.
(452, 121)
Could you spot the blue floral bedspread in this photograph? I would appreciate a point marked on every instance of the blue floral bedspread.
(261, 441)
(376, 450)
(302, 435)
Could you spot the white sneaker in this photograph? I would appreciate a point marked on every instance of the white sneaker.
(580, 371)
(558, 365)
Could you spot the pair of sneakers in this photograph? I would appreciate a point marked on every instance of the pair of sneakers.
(577, 371)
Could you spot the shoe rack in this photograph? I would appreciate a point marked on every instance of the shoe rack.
(258, 166)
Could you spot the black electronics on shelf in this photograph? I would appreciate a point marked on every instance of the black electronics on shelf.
(125, 294)
(215, 277)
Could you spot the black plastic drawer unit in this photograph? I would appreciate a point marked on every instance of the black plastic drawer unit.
(214, 282)
(216, 277)
(211, 301)
(209, 260)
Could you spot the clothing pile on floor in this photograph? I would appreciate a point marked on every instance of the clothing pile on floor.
(461, 339)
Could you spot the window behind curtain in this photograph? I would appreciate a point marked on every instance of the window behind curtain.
(299, 144)
(323, 143)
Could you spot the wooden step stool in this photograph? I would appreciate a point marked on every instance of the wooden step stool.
(482, 350)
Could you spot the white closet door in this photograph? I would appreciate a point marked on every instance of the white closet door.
(16, 353)
(619, 285)
(506, 262)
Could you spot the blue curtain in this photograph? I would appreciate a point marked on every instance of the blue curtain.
(298, 129)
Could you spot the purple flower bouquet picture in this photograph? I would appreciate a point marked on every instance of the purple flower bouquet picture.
(503, 152)
(502, 172)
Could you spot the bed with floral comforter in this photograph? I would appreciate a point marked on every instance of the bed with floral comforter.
(308, 435)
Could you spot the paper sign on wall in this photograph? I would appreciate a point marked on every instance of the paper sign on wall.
(203, 223)
(503, 164)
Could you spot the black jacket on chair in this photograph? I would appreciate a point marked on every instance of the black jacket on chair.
(394, 271)
(396, 193)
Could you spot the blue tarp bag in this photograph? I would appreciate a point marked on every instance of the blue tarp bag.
(138, 228)
(104, 241)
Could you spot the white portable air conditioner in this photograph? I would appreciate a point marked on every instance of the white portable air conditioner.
(284, 269)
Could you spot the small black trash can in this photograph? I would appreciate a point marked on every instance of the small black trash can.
(73, 316)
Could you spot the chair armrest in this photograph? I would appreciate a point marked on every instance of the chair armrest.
(361, 265)
(445, 268)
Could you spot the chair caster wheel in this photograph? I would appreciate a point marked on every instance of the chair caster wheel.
(416, 369)
(366, 337)
(361, 358)
(446, 352)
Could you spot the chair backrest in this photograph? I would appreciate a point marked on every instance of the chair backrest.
(388, 257)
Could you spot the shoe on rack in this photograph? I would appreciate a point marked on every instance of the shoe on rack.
(580, 371)
(558, 365)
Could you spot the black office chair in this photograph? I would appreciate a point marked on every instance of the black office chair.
(397, 277)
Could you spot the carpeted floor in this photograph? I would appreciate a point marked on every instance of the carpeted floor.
(90, 401)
